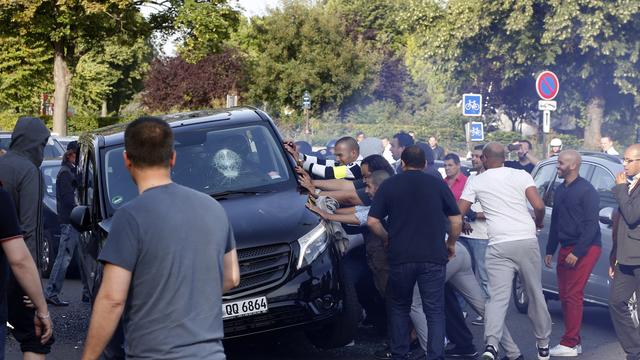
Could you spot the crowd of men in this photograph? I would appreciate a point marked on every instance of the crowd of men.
(431, 243)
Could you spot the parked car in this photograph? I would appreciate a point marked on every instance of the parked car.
(289, 263)
(599, 169)
(53, 149)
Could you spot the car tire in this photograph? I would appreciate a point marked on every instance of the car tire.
(342, 330)
(520, 298)
(48, 252)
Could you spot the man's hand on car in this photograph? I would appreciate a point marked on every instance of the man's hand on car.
(548, 261)
(571, 260)
(317, 210)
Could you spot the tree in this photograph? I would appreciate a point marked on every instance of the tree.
(498, 47)
(173, 83)
(597, 46)
(24, 72)
(71, 29)
(301, 47)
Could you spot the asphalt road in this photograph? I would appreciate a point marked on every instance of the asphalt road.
(599, 340)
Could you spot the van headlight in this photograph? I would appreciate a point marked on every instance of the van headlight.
(312, 244)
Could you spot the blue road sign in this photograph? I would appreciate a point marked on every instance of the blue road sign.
(472, 105)
(476, 131)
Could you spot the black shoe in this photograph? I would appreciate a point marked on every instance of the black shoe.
(490, 353)
(383, 354)
(457, 353)
(543, 353)
(55, 301)
(521, 357)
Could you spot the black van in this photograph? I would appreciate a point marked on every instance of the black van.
(290, 268)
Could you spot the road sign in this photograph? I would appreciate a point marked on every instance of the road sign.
(547, 85)
(546, 121)
(472, 105)
(306, 100)
(549, 105)
(476, 131)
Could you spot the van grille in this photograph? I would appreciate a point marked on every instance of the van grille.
(261, 266)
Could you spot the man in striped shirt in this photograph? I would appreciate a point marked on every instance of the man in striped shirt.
(346, 165)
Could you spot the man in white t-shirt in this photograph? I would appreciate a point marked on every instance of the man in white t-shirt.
(513, 245)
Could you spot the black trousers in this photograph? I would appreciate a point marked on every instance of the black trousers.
(21, 318)
(455, 325)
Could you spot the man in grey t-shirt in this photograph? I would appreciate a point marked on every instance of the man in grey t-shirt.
(168, 259)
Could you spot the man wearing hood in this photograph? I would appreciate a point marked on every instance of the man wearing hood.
(21, 177)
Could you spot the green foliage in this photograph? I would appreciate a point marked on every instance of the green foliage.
(205, 26)
(24, 72)
(300, 48)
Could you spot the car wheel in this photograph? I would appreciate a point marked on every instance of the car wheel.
(342, 330)
(633, 308)
(520, 297)
(47, 255)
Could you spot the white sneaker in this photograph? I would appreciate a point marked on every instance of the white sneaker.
(561, 350)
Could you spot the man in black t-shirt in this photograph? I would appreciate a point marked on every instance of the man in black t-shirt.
(526, 161)
(14, 252)
(417, 206)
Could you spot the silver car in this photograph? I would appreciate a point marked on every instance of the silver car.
(599, 169)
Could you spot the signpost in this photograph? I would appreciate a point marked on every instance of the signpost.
(547, 87)
(306, 105)
(471, 105)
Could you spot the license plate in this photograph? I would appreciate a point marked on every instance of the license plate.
(244, 308)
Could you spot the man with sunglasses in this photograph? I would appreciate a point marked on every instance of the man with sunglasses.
(625, 253)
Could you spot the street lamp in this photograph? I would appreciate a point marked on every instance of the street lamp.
(306, 105)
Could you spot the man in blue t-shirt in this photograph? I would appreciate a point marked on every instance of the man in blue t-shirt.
(417, 206)
(168, 259)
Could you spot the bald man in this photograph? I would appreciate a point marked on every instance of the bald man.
(625, 254)
(575, 227)
(513, 246)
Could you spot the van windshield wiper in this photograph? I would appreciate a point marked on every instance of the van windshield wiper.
(224, 194)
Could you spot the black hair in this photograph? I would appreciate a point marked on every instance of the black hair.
(478, 147)
(148, 142)
(404, 139)
(452, 156)
(377, 177)
(350, 142)
(378, 162)
(413, 156)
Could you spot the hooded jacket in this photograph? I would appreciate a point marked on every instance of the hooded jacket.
(20, 176)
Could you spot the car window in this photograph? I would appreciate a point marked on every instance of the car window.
(211, 161)
(49, 174)
(543, 177)
(602, 180)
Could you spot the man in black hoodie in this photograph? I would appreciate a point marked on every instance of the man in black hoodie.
(21, 177)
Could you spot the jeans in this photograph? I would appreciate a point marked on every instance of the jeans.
(430, 279)
(478, 250)
(68, 244)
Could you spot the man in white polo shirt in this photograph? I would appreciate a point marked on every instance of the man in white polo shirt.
(513, 246)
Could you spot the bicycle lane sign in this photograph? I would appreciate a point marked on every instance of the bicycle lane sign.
(471, 104)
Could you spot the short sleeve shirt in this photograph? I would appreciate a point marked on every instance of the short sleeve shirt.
(417, 206)
(501, 192)
(173, 240)
(362, 212)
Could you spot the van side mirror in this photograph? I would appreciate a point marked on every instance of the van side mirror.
(606, 216)
(80, 218)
